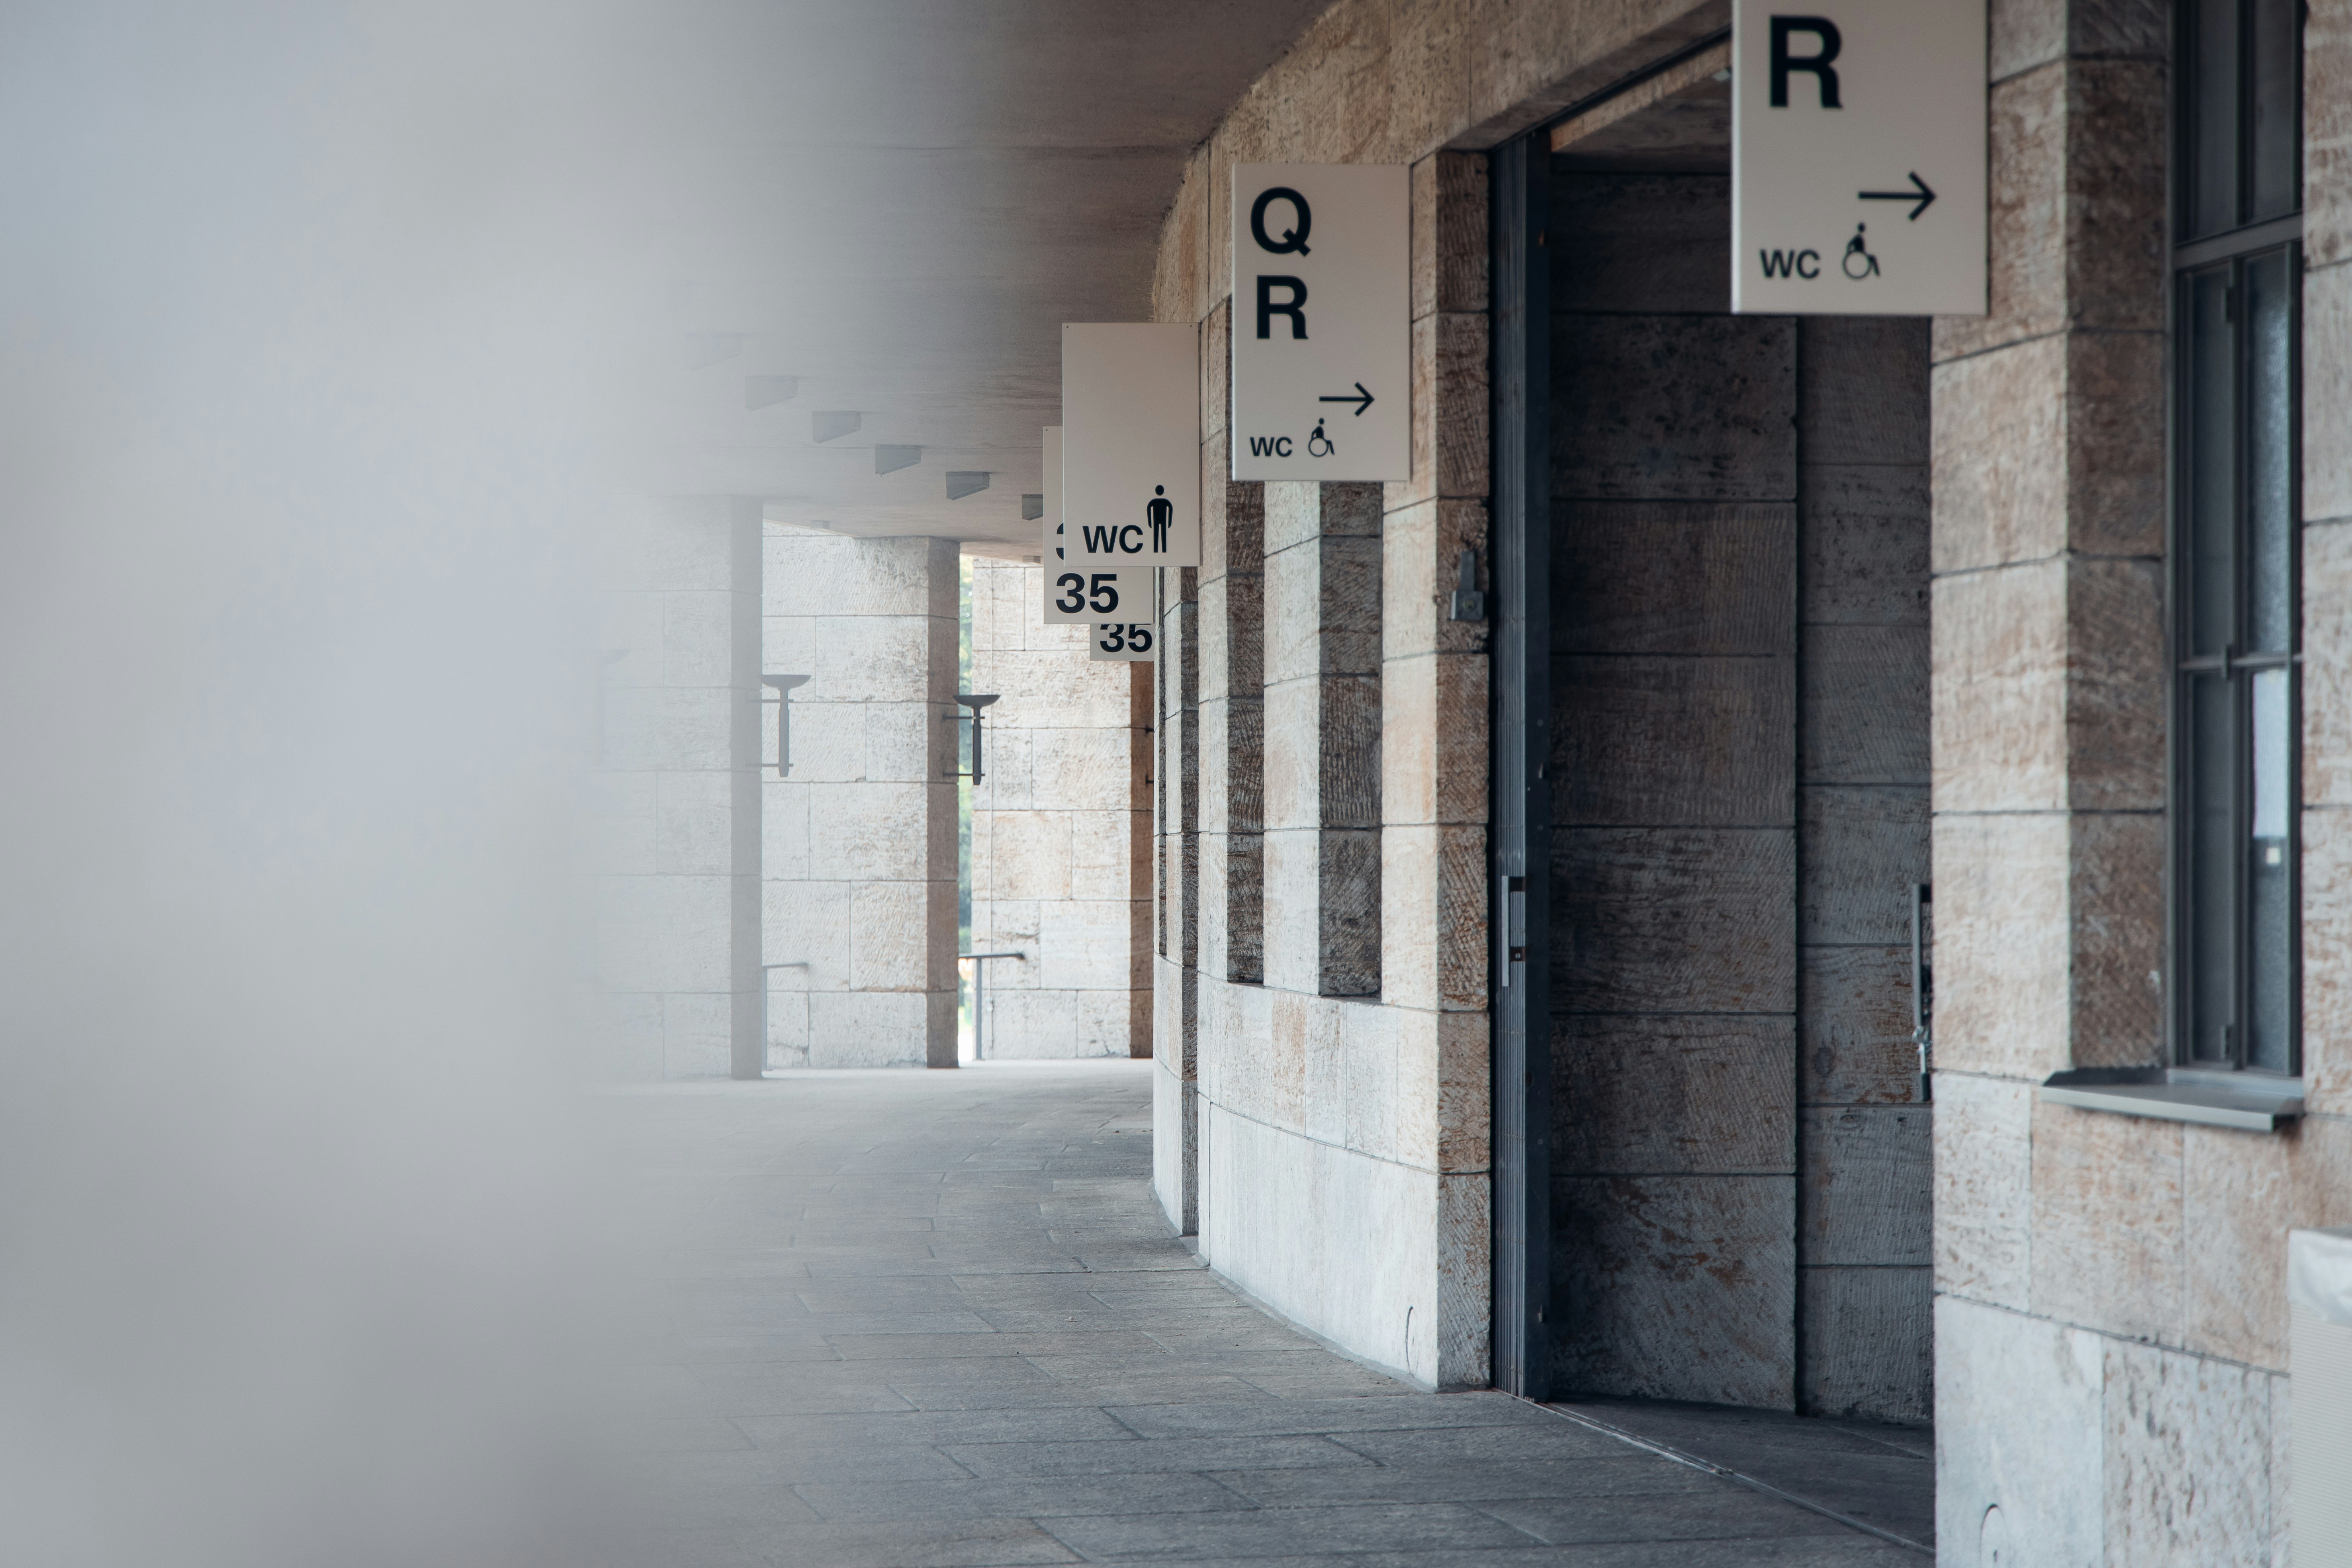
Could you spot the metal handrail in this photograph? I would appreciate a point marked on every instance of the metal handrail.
(980, 993)
(764, 1042)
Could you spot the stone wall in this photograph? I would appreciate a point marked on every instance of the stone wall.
(860, 860)
(674, 840)
(1060, 824)
(2110, 1330)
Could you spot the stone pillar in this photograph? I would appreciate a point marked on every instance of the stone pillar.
(1232, 687)
(861, 842)
(677, 839)
(1176, 1168)
(1054, 868)
(1322, 710)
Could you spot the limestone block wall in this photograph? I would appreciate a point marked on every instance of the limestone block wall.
(1320, 1114)
(859, 873)
(1060, 830)
(675, 833)
(2110, 1327)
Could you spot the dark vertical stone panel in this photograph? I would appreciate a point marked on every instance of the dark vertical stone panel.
(1348, 859)
(1864, 1186)
(1673, 784)
(1246, 732)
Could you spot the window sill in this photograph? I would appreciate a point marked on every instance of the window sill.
(2249, 1102)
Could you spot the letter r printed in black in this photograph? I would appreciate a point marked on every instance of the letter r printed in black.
(1825, 34)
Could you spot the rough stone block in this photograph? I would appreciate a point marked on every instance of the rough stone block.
(2328, 664)
(2026, 126)
(1688, 1094)
(2003, 993)
(699, 638)
(2327, 393)
(1676, 1288)
(1862, 390)
(2020, 1427)
(1640, 244)
(871, 1028)
(1983, 1134)
(1861, 849)
(888, 928)
(2114, 451)
(2328, 963)
(1864, 715)
(1674, 920)
(1864, 530)
(1854, 1027)
(1669, 577)
(2089, 1168)
(1449, 233)
(1347, 912)
(2187, 1459)
(698, 1034)
(2001, 664)
(1674, 407)
(1863, 1188)
(806, 922)
(695, 824)
(1999, 471)
(1216, 389)
(647, 728)
(665, 934)
(1868, 1343)
(1702, 741)
(2116, 902)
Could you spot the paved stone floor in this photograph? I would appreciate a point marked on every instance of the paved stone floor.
(935, 1318)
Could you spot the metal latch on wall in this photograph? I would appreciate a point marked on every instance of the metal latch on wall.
(784, 686)
(1923, 984)
(1469, 603)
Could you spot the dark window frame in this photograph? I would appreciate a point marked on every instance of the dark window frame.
(2245, 237)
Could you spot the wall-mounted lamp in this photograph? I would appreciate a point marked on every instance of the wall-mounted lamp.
(784, 686)
(975, 701)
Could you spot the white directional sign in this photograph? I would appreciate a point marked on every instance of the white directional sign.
(1322, 322)
(1081, 595)
(1130, 446)
(1858, 157)
(1123, 644)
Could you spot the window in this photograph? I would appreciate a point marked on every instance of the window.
(2237, 285)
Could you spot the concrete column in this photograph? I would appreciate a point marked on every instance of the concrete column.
(676, 855)
(861, 842)
(1323, 738)
(1054, 872)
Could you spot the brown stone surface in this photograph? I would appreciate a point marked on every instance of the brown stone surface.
(1864, 529)
(1860, 850)
(2090, 1265)
(1462, 232)
(1863, 705)
(2000, 478)
(2115, 900)
(1853, 1023)
(2002, 993)
(1676, 1288)
(2026, 217)
(1673, 577)
(1862, 1174)
(1179, 281)
(1673, 407)
(1640, 244)
(2327, 961)
(1686, 1094)
(2328, 134)
(2115, 685)
(1867, 1343)
(2328, 664)
(2114, 442)
(1862, 390)
(1999, 681)
(1983, 1134)
(1216, 377)
(1674, 920)
(1640, 740)
(2327, 393)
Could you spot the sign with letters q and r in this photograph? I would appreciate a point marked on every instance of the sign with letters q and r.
(1130, 446)
(1858, 157)
(1322, 322)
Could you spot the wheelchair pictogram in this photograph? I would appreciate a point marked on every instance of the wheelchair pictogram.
(1318, 445)
(1856, 251)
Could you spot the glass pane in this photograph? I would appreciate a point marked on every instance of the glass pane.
(2276, 122)
(2209, 436)
(2212, 116)
(2211, 925)
(2270, 452)
(2270, 961)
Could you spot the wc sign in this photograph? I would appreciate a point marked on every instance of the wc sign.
(1858, 157)
(1129, 497)
(1322, 322)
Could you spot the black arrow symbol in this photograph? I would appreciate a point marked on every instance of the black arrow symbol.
(1921, 194)
(1362, 400)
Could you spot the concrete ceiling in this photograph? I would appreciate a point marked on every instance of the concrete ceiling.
(897, 205)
